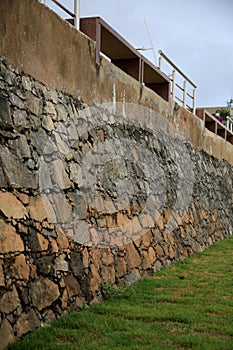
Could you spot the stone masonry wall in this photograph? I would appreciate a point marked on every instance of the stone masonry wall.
(91, 195)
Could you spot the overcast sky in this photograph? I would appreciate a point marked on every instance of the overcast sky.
(197, 35)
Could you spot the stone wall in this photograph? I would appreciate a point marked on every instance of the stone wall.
(101, 180)
(91, 195)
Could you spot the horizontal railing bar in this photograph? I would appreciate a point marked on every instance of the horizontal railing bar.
(179, 99)
(63, 8)
(176, 68)
(191, 96)
(179, 86)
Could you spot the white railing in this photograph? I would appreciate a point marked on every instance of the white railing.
(175, 86)
(75, 15)
(229, 124)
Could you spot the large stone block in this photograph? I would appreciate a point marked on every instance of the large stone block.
(43, 293)
(9, 301)
(10, 241)
(26, 323)
(11, 207)
(16, 172)
(5, 116)
(6, 334)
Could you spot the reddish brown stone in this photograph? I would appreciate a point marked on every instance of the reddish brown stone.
(94, 280)
(43, 293)
(20, 268)
(37, 209)
(2, 280)
(9, 301)
(10, 241)
(120, 267)
(146, 239)
(133, 259)
(108, 274)
(149, 258)
(11, 207)
(62, 240)
(159, 251)
(85, 258)
(107, 257)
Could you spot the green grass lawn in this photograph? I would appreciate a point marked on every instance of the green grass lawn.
(186, 306)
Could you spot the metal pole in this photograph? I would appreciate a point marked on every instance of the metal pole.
(77, 14)
(160, 62)
(173, 84)
(184, 93)
(194, 100)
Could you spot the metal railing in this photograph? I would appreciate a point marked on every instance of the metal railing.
(175, 85)
(229, 124)
(75, 15)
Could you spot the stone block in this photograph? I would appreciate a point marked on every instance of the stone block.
(9, 301)
(107, 258)
(61, 264)
(72, 286)
(20, 268)
(38, 209)
(133, 259)
(77, 264)
(108, 274)
(10, 241)
(120, 267)
(6, 334)
(44, 264)
(2, 279)
(5, 115)
(16, 172)
(94, 280)
(11, 207)
(43, 293)
(26, 323)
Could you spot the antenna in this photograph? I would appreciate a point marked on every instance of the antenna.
(151, 42)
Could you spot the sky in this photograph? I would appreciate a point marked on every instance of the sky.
(197, 35)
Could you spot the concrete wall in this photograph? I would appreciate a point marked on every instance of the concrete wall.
(92, 193)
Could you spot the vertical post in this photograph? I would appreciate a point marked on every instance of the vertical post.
(77, 14)
(160, 62)
(184, 93)
(173, 84)
(194, 100)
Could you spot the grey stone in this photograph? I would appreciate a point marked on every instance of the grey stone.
(33, 103)
(39, 140)
(16, 173)
(20, 119)
(5, 115)
(47, 123)
(16, 101)
(59, 176)
(61, 264)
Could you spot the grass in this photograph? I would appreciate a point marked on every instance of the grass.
(186, 306)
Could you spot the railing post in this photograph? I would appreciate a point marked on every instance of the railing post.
(77, 14)
(184, 93)
(194, 100)
(173, 84)
(160, 62)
